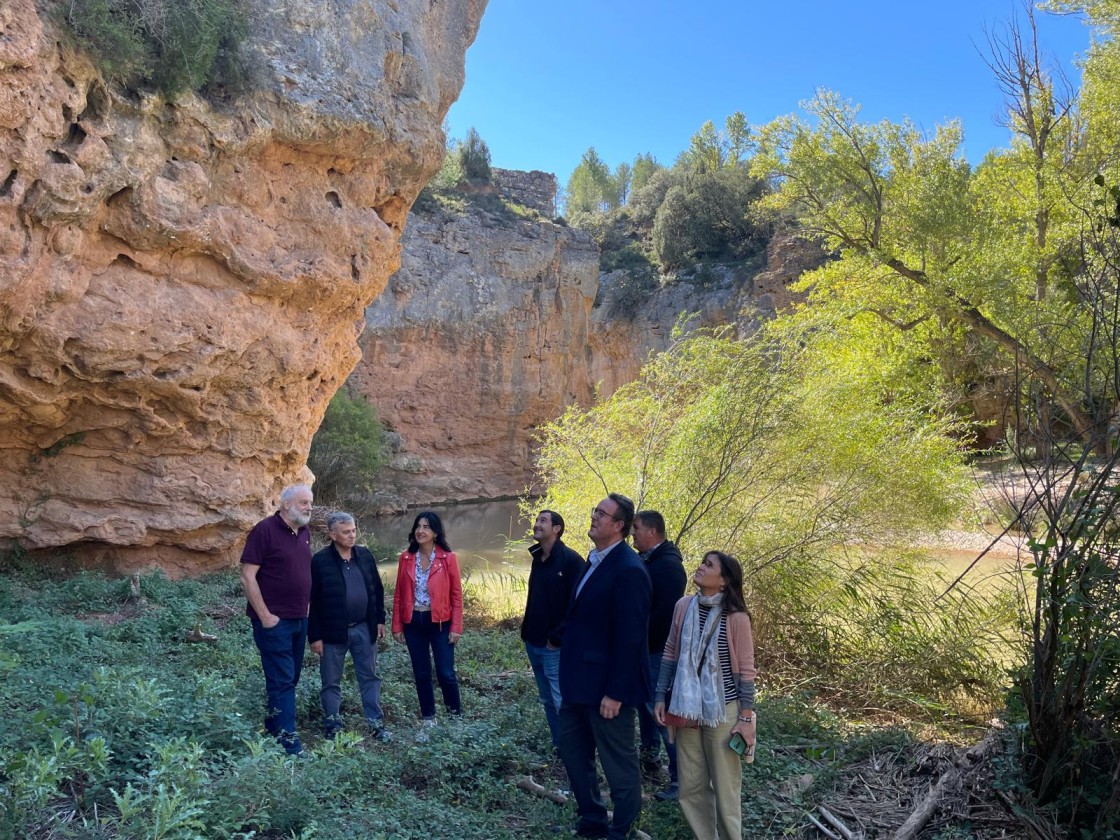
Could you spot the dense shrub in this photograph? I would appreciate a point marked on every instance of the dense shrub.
(474, 158)
(174, 45)
(710, 216)
(645, 201)
(347, 451)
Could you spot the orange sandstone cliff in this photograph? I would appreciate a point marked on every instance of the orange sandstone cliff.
(497, 321)
(182, 285)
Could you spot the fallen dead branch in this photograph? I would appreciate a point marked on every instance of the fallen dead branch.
(527, 784)
(951, 779)
(835, 822)
(196, 635)
(1035, 829)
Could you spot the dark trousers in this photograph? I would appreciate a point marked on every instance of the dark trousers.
(649, 733)
(583, 731)
(421, 635)
(281, 649)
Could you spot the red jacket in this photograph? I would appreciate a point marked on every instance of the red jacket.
(444, 586)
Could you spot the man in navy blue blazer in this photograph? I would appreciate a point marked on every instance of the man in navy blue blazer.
(604, 673)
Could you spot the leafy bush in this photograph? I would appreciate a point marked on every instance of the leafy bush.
(474, 158)
(709, 215)
(762, 448)
(347, 451)
(175, 45)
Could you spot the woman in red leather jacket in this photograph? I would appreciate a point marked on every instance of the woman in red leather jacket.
(428, 614)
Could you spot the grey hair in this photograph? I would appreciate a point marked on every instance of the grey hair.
(289, 493)
(339, 518)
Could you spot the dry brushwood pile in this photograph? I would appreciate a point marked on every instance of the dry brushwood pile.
(909, 794)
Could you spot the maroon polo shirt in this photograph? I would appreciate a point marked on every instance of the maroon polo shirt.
(284, 557)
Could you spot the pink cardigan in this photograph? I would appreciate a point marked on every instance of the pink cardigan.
(740, 644)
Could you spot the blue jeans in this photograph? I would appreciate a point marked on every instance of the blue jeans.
(422, 634)
(546, 670)
(363, 651)
(281, 648)
(650, 734)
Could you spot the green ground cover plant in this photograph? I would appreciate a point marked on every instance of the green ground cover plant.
(116, 727)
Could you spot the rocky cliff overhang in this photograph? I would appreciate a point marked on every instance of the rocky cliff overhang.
(182, 285)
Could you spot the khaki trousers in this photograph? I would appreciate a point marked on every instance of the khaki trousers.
(710, 774)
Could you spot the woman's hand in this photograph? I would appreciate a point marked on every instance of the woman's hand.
(399, 637)
(747, 730)
(659, 714)
(454, 637)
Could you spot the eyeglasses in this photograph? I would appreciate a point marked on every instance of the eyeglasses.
(599, 512)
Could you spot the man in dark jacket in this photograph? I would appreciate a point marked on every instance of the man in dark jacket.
(668, 579)
(554, 573)
(347, 614)
(604, 675)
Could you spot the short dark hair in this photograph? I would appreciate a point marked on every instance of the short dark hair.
(557, 521)
(652, 519)
(437, 527)
(626, 512)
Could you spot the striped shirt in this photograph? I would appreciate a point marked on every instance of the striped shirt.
(730, 685)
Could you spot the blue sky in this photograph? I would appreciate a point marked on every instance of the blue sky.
(545, 80)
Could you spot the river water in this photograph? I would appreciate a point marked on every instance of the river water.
(486, 536)
(490, 538)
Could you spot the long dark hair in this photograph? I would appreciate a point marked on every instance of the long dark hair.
(732, 573)
(436, 525)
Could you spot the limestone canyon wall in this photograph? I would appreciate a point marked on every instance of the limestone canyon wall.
(182, 285)
(481, 335)
(495, 324)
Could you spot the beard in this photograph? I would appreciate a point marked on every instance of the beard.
(299, 519)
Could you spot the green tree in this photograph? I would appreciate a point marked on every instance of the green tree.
(590, 187)
(646, 200)
(642, 170)
(764, 447)
(914, 243)
(1068, 503)
(347, 451)
(705, 152)
(621, 183)
(739, 141)
(710, 150)
(709, 216)
(474, 158)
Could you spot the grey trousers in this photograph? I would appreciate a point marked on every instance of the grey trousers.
(363, 651)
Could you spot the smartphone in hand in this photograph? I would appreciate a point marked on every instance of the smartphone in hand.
(739, 745)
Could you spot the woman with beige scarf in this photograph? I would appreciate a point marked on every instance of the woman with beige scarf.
(708, 674)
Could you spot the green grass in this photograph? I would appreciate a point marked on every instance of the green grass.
(115, 727)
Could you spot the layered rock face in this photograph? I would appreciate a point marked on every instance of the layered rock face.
(181, 285)
(495, 324)
(481, 336)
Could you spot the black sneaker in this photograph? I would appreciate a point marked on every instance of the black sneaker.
(381, 734)
(670, 793)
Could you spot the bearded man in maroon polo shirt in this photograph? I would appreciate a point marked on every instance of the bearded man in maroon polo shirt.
(276, 576)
